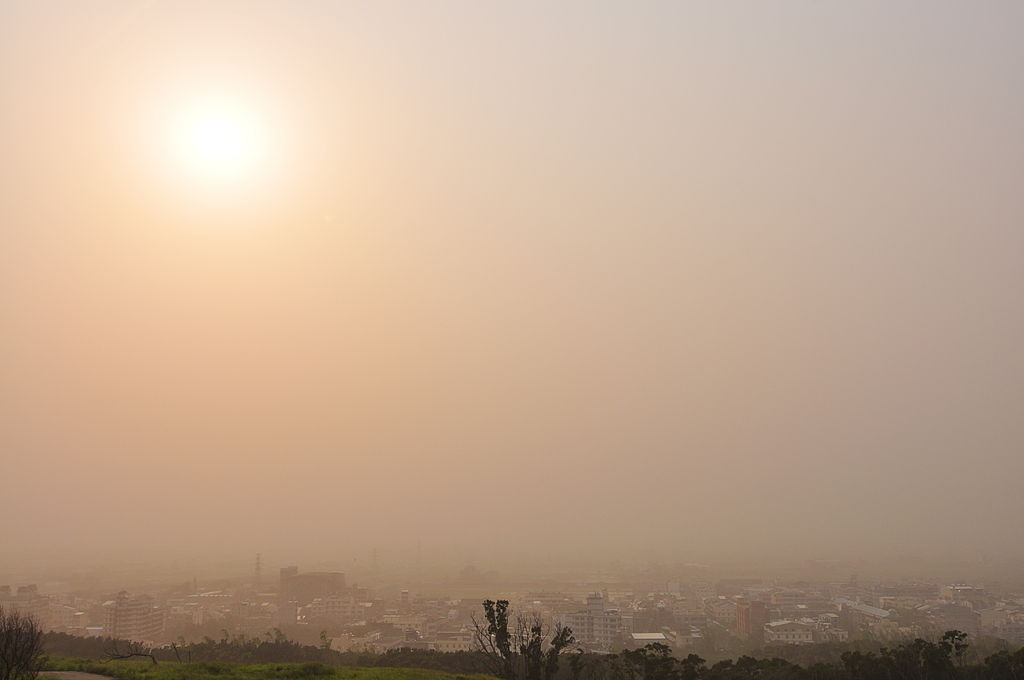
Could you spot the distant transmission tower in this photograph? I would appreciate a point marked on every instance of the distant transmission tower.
(259, 569)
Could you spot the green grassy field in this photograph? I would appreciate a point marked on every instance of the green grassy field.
(144, 670)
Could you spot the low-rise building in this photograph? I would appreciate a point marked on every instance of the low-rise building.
(788, 633)
(338, 607)
(857, 616)
(452, 641)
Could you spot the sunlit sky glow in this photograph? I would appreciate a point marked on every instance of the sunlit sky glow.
(691, 266)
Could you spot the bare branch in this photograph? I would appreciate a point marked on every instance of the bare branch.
(133, 650)
(21, 646)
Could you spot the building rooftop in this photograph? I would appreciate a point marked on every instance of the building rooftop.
(863, 608)
(784, 622)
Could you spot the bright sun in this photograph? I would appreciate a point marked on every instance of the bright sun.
(218, 141)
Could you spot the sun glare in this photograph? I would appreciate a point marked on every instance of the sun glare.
(220, 141)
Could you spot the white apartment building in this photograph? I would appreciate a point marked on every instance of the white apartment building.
(597, 626)
(133, 618)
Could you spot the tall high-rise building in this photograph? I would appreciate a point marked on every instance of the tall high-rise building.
(751, 615)
(133, 618)
(597, 627)
(304, 588)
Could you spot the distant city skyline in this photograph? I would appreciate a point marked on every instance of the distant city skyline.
(688, 609)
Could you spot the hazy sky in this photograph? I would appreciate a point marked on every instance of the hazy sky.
(683, 279)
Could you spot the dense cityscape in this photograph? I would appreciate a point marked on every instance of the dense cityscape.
(689, 614)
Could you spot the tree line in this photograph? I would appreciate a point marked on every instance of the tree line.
(519, 648)
(513, 647)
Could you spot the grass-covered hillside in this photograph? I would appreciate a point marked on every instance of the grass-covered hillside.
(144, 670)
